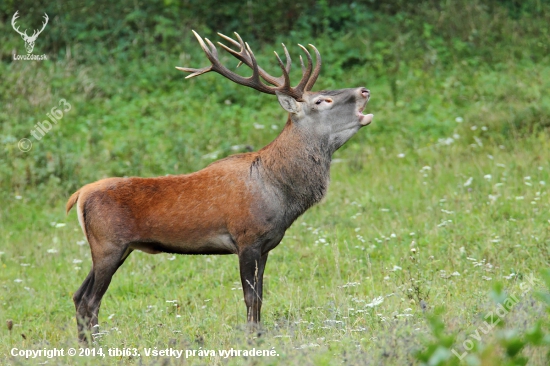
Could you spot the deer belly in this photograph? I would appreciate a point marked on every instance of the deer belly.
(216, 244)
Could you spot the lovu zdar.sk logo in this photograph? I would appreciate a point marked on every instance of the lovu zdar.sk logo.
(29, 40)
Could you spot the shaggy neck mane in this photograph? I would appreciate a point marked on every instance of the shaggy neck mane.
(298, 163)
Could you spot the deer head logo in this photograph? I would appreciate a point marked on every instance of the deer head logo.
(29, 40)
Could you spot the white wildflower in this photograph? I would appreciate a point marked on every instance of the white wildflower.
(446, 141)
(375, 302)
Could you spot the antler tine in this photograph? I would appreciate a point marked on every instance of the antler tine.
(195, 72)
(213, 48)
(229, 39)
(203, 45)
(44, 23)
(13, 19)
(288, 59)
(305, 73)
(212, 55)
(286, 86)
(241, 42)
(255, 72)
(239, 55)
(316, 71)
(242, 55)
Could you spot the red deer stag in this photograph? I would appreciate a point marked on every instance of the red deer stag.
(242, 204)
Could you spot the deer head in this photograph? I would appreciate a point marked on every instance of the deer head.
(29, 40)
(332, 117)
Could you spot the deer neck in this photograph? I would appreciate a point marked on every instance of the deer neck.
(297, 165)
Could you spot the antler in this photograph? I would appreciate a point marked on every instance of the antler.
(35, 34)
(24, 34)
(15, 16)
(246, 56)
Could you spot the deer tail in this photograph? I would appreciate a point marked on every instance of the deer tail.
(72, 200)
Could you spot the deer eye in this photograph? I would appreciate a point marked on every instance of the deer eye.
(319, 101)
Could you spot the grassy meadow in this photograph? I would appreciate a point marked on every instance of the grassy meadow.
(437, 212)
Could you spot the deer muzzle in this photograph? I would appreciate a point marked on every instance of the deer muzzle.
(364, 96)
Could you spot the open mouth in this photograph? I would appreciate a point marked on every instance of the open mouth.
(364, 119)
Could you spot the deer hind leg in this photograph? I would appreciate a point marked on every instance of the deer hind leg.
(252, 265)
(81, 306)
(88, 297)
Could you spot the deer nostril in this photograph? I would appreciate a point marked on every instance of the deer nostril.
(365, 92)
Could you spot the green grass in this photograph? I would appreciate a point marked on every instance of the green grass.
(443, 197)
(379, 208)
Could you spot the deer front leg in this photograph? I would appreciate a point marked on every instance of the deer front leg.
(252, 265)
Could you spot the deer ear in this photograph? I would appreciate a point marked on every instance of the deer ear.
(288, 103)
